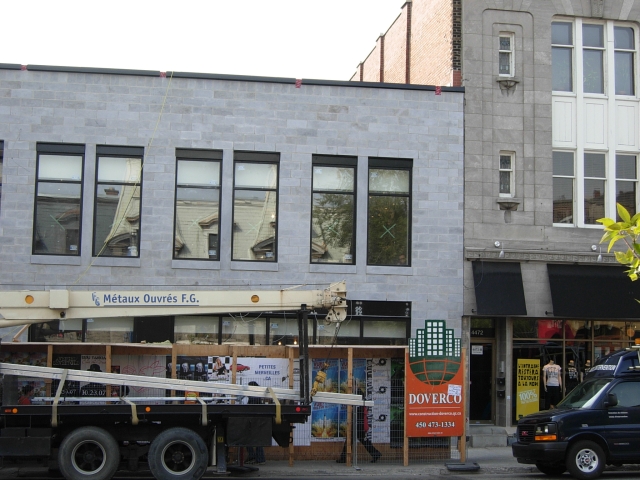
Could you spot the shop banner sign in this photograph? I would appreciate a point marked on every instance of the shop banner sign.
(434, 383)
(528, 387)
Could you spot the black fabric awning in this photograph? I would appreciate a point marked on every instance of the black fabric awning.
(593, 291)
(498, 287)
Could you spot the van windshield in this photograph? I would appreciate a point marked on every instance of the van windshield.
(584, 394)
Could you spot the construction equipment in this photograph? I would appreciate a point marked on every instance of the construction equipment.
(178, 439)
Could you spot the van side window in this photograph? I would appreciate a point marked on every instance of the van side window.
(628, 394)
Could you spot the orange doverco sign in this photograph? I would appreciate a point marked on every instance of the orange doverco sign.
(434, 383)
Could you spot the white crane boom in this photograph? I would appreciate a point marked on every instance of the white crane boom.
(28, 307)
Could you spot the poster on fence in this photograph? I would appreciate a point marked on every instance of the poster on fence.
(434, 383)
(527, 387)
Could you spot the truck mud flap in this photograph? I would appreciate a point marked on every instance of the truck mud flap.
(249, 431)
(282, 433)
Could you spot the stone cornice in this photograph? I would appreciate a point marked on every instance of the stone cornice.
(473, 253)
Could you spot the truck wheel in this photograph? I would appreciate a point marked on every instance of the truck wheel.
(585, 460)
(88, 453)
(178, 453)
(551, 470)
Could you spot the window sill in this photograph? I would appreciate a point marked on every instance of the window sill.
(254, 266)
(55, 260)
(508, 203)
(196, 264)
(115, 262)
(332, 268)
(376, 270)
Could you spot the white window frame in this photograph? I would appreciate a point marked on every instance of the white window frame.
(510, 52)
(581, 144)
(575, 190)
(512, 174)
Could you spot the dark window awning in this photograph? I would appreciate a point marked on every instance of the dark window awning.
(592, 291)
(498, 287)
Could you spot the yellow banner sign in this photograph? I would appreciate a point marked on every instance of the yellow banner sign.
(527, 387)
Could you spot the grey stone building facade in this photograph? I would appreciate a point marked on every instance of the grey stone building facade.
(137, 180)
(552, 143)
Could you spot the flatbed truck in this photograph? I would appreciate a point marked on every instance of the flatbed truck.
(176, 437)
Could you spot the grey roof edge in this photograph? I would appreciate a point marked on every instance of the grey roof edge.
(109, 71)
(310, 81)
(219, 76)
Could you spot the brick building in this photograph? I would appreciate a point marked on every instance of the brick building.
(552, 142)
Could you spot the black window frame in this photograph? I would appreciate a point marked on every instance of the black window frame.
(336, 161)
(380, 163)
(198, 155)
(114, 151)
(242, 156)
(61, 149)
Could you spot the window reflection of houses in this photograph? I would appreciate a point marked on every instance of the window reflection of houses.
(117, 202)
(255, 206)
(197, 207)
(255, 225)
(120, 212)
(58, 199)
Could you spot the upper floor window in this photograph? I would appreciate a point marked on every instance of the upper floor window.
(505, 54)
(562, 56)
(389, 215)
(595, 45)
(625, 46)
(333, 209)
(58, 206)
(563, 187)
(506, 174)
(197, 208)
(627, 182)
(594, 187)
(117, 201)
(255, 206)
(593, 58)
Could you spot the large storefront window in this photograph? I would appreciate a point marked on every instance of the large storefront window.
(573, 345)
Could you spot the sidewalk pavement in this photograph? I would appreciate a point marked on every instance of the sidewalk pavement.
(497, 460)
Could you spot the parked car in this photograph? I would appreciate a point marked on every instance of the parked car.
(597, 424)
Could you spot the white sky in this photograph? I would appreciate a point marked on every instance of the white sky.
(323, 39)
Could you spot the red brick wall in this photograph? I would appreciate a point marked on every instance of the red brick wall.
(371, 65)
(395, 50)
(431, 42)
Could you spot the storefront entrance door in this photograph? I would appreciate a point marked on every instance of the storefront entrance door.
(481, 383)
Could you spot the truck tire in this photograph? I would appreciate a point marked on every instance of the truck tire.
(585, 460)
(553, 470)
(88, 453)
(178, 454)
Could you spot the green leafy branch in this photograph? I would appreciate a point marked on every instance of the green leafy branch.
(627, 230)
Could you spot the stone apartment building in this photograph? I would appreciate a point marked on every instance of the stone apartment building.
(551, 144)
(138, 180)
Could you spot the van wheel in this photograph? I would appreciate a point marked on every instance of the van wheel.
(585, 460)
(551, 470)
(178, 454)
(88, 453)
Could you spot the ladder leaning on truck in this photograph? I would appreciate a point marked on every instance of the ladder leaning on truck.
(91, 441)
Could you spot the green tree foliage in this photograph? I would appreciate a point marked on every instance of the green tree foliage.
(627, 230)
(333, 217)
(388, 229)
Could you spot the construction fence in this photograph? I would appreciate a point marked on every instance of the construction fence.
(333, 432)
